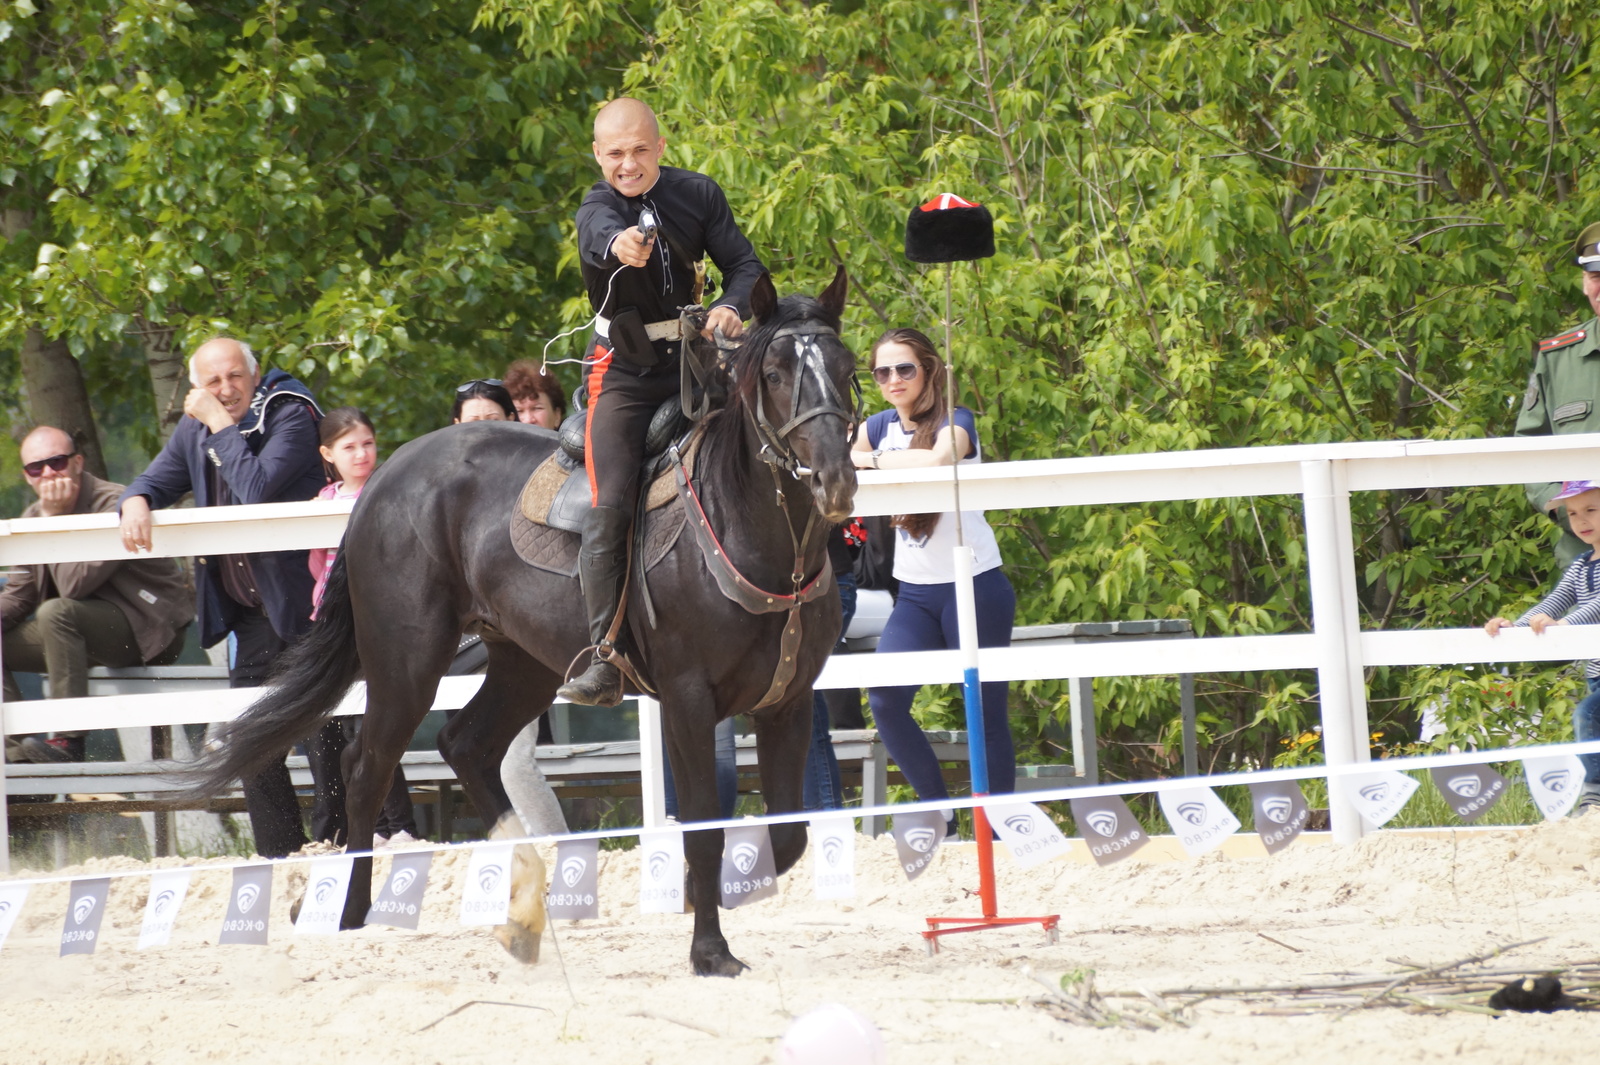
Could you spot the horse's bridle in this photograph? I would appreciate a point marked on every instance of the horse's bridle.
(775, 449)
(778, 455)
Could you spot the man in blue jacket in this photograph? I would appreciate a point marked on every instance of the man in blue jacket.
(248, 439)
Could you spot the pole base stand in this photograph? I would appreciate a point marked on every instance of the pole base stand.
(1050, 925)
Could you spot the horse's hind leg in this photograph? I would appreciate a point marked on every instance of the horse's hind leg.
(403, 666)
(515, 688)
(783, 740)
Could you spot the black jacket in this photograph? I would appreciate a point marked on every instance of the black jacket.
(695, 221)
(269, 457)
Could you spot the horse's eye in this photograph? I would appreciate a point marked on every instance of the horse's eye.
(773, 378)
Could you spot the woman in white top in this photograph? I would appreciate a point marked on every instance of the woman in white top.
(916, 433)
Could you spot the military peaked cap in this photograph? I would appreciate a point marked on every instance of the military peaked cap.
(1586, 249)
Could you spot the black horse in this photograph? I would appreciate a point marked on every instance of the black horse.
(428, 554)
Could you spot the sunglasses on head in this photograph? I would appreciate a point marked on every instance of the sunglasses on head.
(906, 371)
(493, 382)
(55, 462)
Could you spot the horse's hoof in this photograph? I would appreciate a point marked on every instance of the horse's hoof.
(521, 943)
(718, 964)
(294, 907)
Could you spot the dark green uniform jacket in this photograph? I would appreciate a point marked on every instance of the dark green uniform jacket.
(1563, 397)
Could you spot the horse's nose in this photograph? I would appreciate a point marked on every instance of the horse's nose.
(836, 500)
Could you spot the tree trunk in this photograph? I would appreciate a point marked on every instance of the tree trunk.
(56, 395)
(52, 376)
(168, 376)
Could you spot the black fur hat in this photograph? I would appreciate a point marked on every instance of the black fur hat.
(948, 229)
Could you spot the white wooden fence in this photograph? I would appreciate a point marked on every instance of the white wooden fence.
(1324, 475)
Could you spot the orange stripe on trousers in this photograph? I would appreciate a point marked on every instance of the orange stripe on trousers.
(597, 377)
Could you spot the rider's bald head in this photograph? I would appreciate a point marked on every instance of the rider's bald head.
(625, 113)
(628, 146)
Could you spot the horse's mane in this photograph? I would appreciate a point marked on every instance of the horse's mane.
(730, 431)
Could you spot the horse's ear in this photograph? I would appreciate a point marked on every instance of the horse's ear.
(763, 298)
(833, 297)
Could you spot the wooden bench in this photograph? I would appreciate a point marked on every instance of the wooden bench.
(610, 768)
(1083, 737)
(589, 768)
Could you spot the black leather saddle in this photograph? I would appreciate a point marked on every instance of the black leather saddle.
(572, 501)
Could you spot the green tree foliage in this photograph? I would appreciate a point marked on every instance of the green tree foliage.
(371, 194)
(1219, 225)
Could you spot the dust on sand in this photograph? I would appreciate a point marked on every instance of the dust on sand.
(619, 989)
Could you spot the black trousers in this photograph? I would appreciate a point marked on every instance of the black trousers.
(269, 797)
(621, 402)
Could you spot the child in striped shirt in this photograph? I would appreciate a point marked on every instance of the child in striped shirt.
(1576, 598)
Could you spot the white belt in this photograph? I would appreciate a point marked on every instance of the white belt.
(654, 330)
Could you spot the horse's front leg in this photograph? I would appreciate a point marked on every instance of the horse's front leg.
(690, 726)
(783, 742)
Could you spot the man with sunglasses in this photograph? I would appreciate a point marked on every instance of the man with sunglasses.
(62, 618)
(641, 233)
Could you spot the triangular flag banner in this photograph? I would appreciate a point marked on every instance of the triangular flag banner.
(575, 888)
(1027, 832)
(833, 857)
(661, 872)
(86, 907)
(327, 884)
(916, 838)
(486, 891)
(1199, 819)
(1281, 813)
(399, 904)
(1378, 796)
(1108, 827)
(168, 888)
(1469, 789)
(748, 871)
(248, 906)
(12, 896)
(1555, 782)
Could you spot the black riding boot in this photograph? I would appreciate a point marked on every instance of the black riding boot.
(602, 565)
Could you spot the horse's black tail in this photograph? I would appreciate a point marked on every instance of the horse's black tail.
(308, 681)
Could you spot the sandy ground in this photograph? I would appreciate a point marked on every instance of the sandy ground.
(620, 989)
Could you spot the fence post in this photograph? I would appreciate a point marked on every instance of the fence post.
(1191, 741)
(1085, 737)
(875, 787)
(652, 782)
(1334, 615)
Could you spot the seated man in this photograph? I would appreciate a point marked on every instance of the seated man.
(62, 618)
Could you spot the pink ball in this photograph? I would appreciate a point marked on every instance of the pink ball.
(832, 1035)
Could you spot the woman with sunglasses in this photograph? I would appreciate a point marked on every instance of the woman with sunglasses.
(484, 400)
(914, 433)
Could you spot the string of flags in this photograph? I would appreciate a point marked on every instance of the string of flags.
(1200, 820)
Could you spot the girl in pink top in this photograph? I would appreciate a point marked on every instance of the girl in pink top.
(349, 455)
